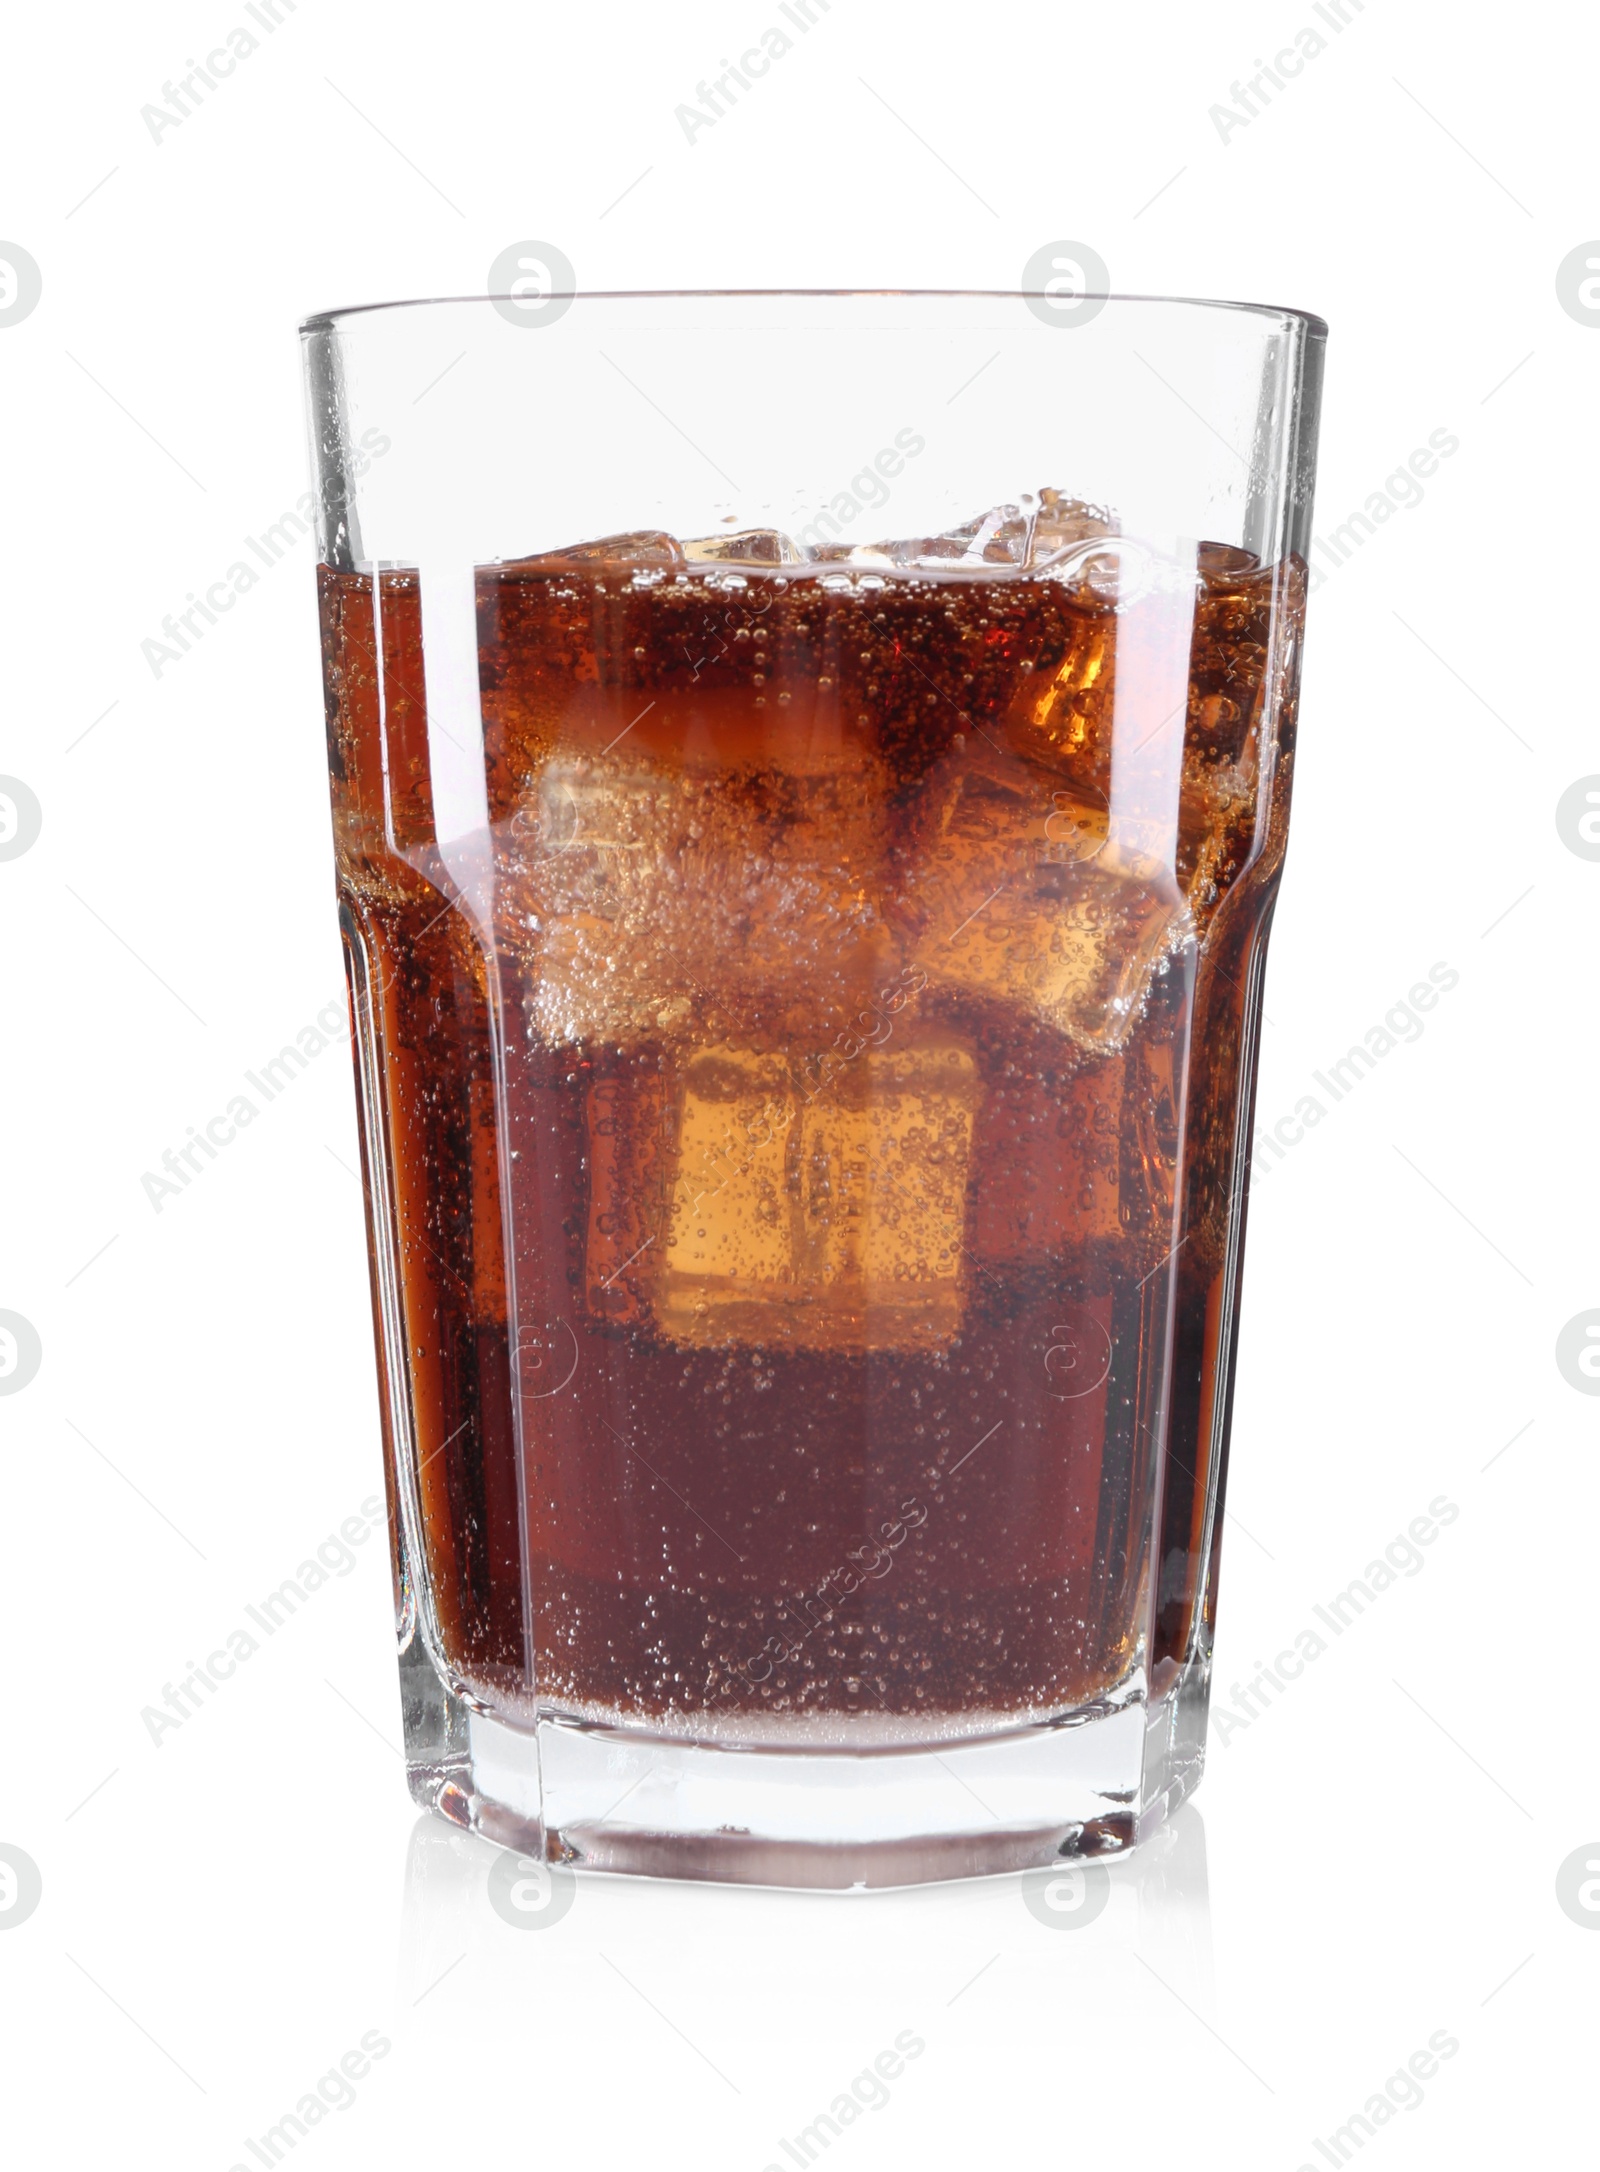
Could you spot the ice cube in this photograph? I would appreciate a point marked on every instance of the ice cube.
(1065, 524)
(870, 557)
(996, 538)
(638, 547)
(648, 902)
(733, 1198)
(750, 546)
(1021, 891)
(1026, 535)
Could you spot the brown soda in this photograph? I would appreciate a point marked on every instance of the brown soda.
(806, 1203)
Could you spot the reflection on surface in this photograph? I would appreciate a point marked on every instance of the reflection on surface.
(482, 1928)
(1175, 1905)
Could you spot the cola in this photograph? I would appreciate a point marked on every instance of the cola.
(804, 1127)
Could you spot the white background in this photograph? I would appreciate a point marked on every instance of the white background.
(1371, 1862)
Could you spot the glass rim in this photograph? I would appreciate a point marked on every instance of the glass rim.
(323, 320)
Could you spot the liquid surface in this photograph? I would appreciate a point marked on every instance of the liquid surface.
(812, 1115)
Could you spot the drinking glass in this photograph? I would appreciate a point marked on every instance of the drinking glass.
(810, 777)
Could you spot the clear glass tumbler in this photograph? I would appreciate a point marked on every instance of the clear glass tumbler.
(810, 775)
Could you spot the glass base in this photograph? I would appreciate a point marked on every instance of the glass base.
(1086, 1783)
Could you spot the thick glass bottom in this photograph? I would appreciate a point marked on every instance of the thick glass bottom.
(1091, 1782)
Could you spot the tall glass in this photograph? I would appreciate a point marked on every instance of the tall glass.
(810, 776)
